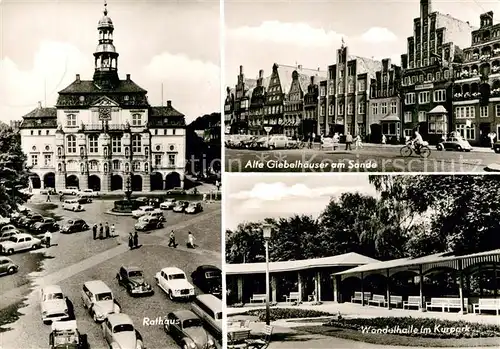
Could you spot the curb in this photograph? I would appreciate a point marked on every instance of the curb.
(118, 213)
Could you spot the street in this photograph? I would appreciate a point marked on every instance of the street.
(78, 258)
(372, 158)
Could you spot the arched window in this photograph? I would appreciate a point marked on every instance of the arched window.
(105, 168)
(71, 144)
(59, 151)
(126, 152)
(136, 144)
(136, 166)
(146, 167)
(146, 151)
(116, 165)
(127, 167)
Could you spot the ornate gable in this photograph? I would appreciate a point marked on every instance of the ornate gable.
(105, 102)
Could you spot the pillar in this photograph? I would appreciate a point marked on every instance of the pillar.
(318, 286)
(336, 283)
(421, 287)
(461, 288)
(274, 297)
(239, 291)
(83, 181)
(299, 276)
(146, 182)
(388, 281)
(105, 182)
(60, 179)
(495, 280)
(362, 290)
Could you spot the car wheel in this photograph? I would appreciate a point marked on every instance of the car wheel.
(167, 328)
(11, 270)
(10, 251)
(170, 295)
(34, 247)
(497, 150)
(185, 346)
(440, 147)
(94, 316)
(271, 147)
(459, 148)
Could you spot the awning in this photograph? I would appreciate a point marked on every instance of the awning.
(390, 118)
(438, 110)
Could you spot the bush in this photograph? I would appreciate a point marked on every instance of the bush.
(286, 313)
(417, 327)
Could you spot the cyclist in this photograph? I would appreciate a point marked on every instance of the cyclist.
(417, 141)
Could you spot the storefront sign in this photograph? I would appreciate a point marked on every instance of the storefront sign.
(424, 87)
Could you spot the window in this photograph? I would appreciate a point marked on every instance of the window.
(390, 128)
(322, 91)
(422, 116)
(341, 74)
(375, 108)
(440, 96)
(410, 98)
(424, 97)
(116, 165)
(34, 160)
(340, 109)
(350, 70)
(497, 110)
(173, 132)
(394, 107)
(136, 144)
(31, 132)
(157, 160)
(350, 108)
(322, 110)
(71, 120)
(116, 144)
(47, 160)
(136, 166)
(330, 109)
(331, 89)
(414, 79)
(468, 133)
(361, 108)
(39, 132)
(93, 144)
(171, 160)
(350, 87)
(71, 144)
(468, 112)
(340, 90)
(136, 119)
(94, 165)
(483, 111)
(383, 108)
(408, 116)
(47, 132)
(362, 86)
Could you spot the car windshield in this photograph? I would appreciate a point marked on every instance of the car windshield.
(13, 239)
(191, 323)
(135, 273)
(212, 274)
(176, 276)
(107, 296)
(123, 328)
(52, 296)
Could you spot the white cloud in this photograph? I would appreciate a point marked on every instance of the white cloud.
(378, 35)
(287, 33)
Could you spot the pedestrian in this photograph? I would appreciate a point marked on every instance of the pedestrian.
(94, 231)
(171, 241)
(106, 230)
(384, 139)
(348, 141)
(48, 197)
(101, 231)
(47, 236)
(358, 143)
(61, 197)
(492, 136)
(113, 230)
(204, 197)
(136, 240)
(130, 241)
(190, 242)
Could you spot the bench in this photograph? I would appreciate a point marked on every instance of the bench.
(396, 300)
(237, 339)
(487, 304)
(258, 298)
(262, 343)
(377, 299)
(292, 297)
(328, 143)
(446, 304)
(358, 297)
(413, 301)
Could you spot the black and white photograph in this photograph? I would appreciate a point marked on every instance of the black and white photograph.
(362, 261)
(362, 86)
(110, 174)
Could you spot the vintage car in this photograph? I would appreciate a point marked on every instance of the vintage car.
(98, 298)
(208, 278)
(132, 278)
(194, 207)
(120, 332)
(156, 213)
(187, 330)
(32, 219)
(74, 226)
(180, 206)
(6, 235)
(7, 227)
(141, 211)
(48, 224)
(69, 191)
(7, 266)
(176, 191)
(454, 142)
(174, 282)
(148, 223)
(272, 142)
(168, 204)
(89, 192)
(73, 205)
(65, 335)
(84, 198)
(20, 242)
(53, 304)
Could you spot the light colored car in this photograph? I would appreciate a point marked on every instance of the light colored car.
(73, 205)
(98, 298)
(65, 335)
(187, 330)
(7, 228)
(274, 142)
(7, 266)
(6, 235)
(168, 204)
(89, 192)
(194, 207)
(53, 304)
(20, 242)
(120, 332)
(69, 191)
(454, 142)
(156, 213)
(209, 310)
(141, 211)
(174, 282)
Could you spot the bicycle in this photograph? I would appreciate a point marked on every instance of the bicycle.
(409, 149)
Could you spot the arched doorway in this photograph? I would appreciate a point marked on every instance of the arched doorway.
(156, 181)
(49, 180)
(35, 181)
(136, 183)
(116, 182)
(94, 183)
(172, 180)
(72, 181)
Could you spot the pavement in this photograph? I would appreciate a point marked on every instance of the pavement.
(371, 158)
(76, 258)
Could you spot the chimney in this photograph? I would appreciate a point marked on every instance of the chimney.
(241, 69)
(261, 74)
(312, 80)
(128, 77)
(39, 104)
(77, 77)
(169, 104)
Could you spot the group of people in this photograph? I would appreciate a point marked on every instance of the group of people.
(133, 240)
(190, 241)
(105, 231)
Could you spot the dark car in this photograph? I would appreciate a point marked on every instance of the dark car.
(454, 142)
(176, 191)
(42, 227)
(208, 278)
(74, 226)
(30, 220)
(496, 147)
(84, 198)
(7, 266)
(132, 278)
(187, 330)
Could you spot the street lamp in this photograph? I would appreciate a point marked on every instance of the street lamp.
(266, 231)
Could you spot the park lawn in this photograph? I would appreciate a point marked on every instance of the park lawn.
(397, 340)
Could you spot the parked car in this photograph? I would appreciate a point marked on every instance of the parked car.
(74, 226)
(69, 191)
(174, 283)
(32, 219)
(180, 206)
(98, 298)
(209, 310)
(42, 227)
(156, 213)
(49, 191)
(208, 278)
(53, 304)
(454, 142)
(187, 330)
(168, 204)
(141, 211)
(7, 227)
(65, 335)
(6, 235)
(120, 332)
(273, 142)
(72, 205)
(193, 207)
(89, 192)
(132, 278)
(496, 147)
(20, 242)
(84, 198)
(176, 191)
(148, 223)
(44, 220)
(7, 266)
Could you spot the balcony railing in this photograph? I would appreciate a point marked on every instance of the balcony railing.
(110, 127)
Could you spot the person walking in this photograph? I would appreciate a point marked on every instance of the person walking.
(384, 139)
(61, 197)
(106, 230)
(130, 241)
(190, 242)
(94, 231)
(358, 143)
(48, 197)
(101, 231)
(47, 236)
(348, 141)
(171, 241)
(136, 240)
(492, 136)
(113, 230)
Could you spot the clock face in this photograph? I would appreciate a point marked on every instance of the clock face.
(104, 113)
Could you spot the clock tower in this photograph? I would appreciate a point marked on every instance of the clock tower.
(106, 57)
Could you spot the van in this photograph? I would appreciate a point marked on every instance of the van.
(209, 310)
(98, 298)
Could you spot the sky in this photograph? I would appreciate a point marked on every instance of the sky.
(309, 32)
(254, 198)
(159, 41)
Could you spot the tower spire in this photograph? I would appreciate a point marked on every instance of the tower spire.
(105, 8)
(106, 57)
